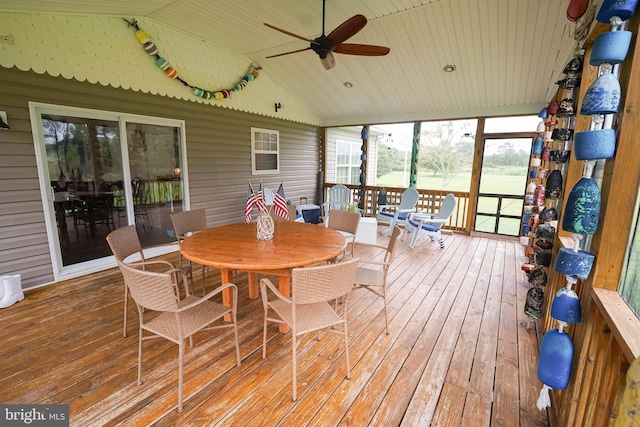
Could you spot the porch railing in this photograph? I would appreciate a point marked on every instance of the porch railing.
(429, 200)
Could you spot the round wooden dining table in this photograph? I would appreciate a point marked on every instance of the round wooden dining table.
(236, 247)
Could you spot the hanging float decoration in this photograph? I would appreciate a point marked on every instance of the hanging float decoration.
(150, 47)
(364, 136)
(583, 202)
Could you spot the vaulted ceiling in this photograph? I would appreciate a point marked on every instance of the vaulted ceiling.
(507, 53)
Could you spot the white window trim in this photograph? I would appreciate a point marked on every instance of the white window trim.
(355, 165)
(276, 171)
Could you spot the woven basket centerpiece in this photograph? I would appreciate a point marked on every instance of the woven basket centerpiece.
(264, 227)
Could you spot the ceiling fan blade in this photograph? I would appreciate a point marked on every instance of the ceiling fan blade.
(288, 53)
(290, 33)
(347, 29)
(361, 49)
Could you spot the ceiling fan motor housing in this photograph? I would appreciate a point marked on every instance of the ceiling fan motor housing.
(322, 47)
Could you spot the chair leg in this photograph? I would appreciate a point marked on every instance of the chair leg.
(414, 238)
(264, 336)
(180, 372)
(386, 319)
(126, 305)
(140, 356)
(294, 344)
(235, 333)
(346, 347)
(440, 241)
(204, 276)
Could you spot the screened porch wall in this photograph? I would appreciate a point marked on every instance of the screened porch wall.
(218, 156)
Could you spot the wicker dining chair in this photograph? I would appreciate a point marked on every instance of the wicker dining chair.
(308, 309)
(124, 243)
(176, 320)
(186, 223)
(346, 223)
(374, 278)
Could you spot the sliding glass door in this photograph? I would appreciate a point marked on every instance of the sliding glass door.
(100, 171)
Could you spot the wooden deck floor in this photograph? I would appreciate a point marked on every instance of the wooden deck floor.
(459, 353)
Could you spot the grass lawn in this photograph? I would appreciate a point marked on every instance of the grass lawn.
(491, 183)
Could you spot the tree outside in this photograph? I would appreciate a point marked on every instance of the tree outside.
(446, 149)
(445, 160)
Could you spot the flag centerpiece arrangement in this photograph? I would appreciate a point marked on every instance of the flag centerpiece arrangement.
(265, 225)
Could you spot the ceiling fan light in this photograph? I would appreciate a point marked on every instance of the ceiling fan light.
(328, 62)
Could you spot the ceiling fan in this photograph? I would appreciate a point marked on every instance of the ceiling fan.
(325, 45)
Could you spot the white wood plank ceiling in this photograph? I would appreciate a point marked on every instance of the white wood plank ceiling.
(508, 53)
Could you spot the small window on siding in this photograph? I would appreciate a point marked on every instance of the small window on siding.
(347, 162)
(265, 151)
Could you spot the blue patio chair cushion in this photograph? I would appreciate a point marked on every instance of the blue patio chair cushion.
(391, 215)
(428, 227)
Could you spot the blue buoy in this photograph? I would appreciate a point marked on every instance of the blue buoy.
(622, 8)
(574, 263)
(556, 356)
(582, 208)
(610, 48)
(602, 97)
(566, 306)
(594, 144)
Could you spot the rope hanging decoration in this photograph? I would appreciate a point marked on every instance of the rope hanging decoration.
(150, 47)
(582, 208)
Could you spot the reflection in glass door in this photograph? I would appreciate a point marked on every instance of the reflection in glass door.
(156, 180)
(85, 173)
(97, 179)
(502, 184)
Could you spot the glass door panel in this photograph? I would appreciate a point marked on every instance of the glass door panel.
(84, 169)
(156, 180)
(502, 183)
(99, 171)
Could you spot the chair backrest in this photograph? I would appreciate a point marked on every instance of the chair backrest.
(151, 290)
(409, 198)
(125, 242)
(293, 212)
(323, 283)
(390, 255)
(344, 221)
(447, 207)
(338, 196)
(189, 222)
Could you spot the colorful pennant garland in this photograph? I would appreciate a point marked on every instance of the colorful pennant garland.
(150, 47)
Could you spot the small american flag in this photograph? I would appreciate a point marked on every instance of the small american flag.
(280, 204)
(251, 200)
(62, 181)
(260, 203)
